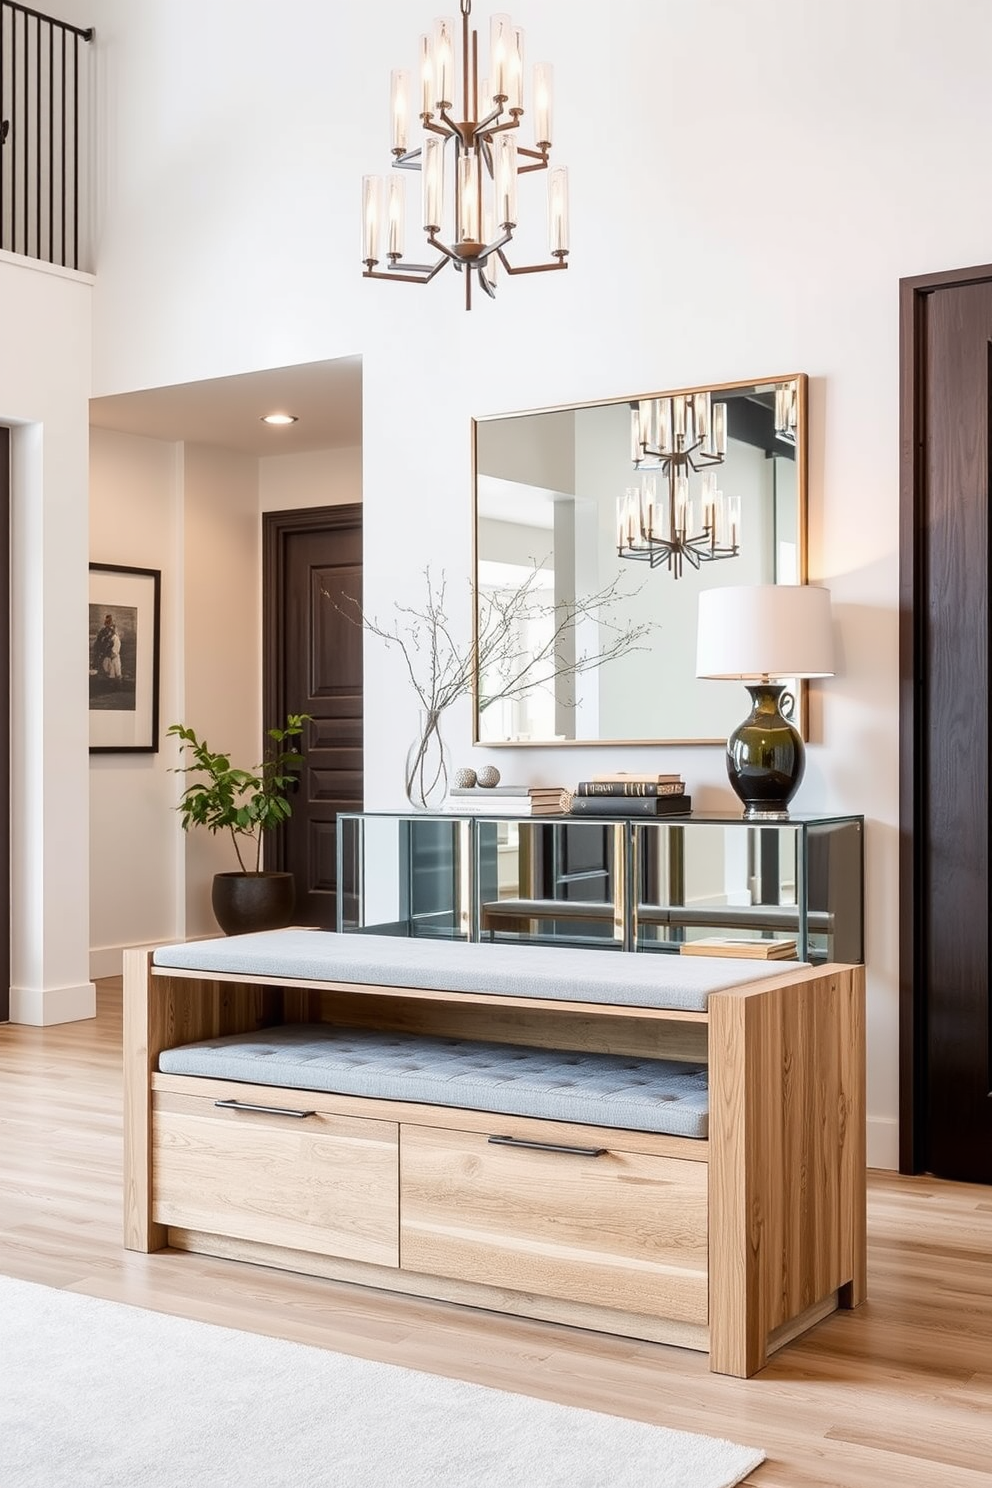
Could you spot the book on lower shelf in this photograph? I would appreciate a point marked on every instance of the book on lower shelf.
(620, 806)
(742, 948)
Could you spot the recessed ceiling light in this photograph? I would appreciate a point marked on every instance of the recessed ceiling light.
(279, 418)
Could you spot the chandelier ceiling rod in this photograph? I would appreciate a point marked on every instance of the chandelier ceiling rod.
(487, 161)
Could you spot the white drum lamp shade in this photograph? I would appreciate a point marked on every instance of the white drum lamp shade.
(764, 635)
(764, 630)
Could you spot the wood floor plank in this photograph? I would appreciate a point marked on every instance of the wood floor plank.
(897, 1394)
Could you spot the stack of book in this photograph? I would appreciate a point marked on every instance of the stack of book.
(728, 945)
(629, 794)
(506, 800)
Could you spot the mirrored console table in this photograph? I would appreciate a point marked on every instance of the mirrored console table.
(619, 884)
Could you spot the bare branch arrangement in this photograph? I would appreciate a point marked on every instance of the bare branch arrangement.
(497, 662)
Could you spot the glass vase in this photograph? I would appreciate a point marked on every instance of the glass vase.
(426, 773)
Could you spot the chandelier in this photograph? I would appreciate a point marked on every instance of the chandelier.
(472, 220)
(672, 439)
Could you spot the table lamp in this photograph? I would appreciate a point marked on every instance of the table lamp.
(764, 635)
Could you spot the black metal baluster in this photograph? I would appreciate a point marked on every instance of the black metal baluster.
(51, 143)
(24, 131)
(75, 151)
(37, 138)
(62, 171)
(3, 99)
(14, 131)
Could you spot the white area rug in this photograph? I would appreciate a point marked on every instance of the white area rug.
(97, 1395)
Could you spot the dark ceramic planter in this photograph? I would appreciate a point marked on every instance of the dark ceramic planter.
(243, 902)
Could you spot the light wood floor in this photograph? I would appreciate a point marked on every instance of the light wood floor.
(895, 1395)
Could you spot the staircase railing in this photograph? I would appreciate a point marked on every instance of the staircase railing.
(44, 139)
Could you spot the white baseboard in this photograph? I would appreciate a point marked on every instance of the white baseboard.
(883, 1142)
(42, 1006)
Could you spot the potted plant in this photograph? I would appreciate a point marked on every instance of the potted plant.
(245, 803)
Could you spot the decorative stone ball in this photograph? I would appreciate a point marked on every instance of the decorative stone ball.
(488, 776)
(464, 779)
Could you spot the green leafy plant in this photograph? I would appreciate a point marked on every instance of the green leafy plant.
(245, 803)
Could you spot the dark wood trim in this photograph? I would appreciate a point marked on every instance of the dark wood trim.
(5, 722)
(912, 737)
(912, 1039)
(277, 526)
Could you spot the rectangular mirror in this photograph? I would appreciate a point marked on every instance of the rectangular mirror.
(596, 527)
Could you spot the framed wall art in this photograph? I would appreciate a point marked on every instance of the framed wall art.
(123, 652)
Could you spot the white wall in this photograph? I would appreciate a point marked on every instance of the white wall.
(135, 519)
(764, 232)
(319, 478)
(221, 639)
(44, 387)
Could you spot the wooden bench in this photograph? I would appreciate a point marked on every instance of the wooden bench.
(734, 1243)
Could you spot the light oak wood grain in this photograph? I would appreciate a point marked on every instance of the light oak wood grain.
(897, 1394)
(316, 1182)
(614, 1230)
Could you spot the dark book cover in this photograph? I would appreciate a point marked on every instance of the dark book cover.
(631, 805)
(630, 788)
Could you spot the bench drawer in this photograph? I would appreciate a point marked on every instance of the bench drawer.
(619, 1229)
(315, 1181)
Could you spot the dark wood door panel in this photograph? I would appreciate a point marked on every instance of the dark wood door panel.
(313, 651)
(947, 1028)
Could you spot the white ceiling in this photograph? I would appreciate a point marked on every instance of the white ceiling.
(227, 411)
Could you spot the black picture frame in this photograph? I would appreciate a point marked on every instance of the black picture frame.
(123, 658)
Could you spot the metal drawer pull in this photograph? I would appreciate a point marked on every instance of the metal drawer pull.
(548, 1147)
(234, 1105)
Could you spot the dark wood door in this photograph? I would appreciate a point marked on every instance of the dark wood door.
(313, 664)
(947, 1029)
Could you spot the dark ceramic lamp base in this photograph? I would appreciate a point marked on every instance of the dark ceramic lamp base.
(766, 756)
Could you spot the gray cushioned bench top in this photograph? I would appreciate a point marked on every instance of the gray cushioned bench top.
(559, 973)
(600, 1089)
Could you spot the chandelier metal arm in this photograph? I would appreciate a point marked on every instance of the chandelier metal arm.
(544, 268)
(410, 274)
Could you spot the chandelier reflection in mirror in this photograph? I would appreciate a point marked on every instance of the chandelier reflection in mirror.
(471, 220)
(662, 520)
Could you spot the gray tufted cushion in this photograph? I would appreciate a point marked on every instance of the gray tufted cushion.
(555, 972)
(602, 1089)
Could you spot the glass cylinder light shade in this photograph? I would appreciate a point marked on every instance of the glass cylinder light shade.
(432, 181)
(701, 415)
(515, 73)
(505, 178)
(399, 109)
(444, 62)
(500, 48)
(469, 225)
(558, 209)
(371, 211)
(396, 216)
(426, 77)
(786, 411)
(733, 536)
(718, 429)
(665, 425)
(543, 103)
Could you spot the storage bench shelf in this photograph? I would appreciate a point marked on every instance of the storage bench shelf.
(626, 1230)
